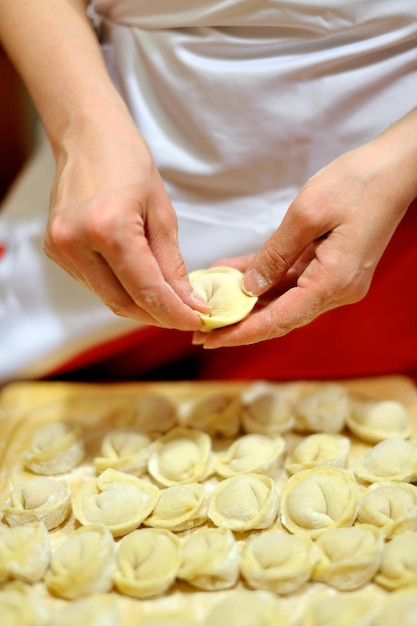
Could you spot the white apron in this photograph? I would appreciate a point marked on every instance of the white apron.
(240, 101)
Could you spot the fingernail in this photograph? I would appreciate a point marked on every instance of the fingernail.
(254, 283)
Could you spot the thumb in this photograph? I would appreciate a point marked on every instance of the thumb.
(268, 267)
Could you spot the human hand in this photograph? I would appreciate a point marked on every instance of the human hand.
(324, 253)
(112, 227)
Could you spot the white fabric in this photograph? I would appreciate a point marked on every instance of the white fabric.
(241, 101)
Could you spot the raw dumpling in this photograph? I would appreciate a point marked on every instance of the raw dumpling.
(221, 288)
(399, 562)
(355, 608)
(391, 459)
(55, 448)
(179, 508)
(119, 501)
(174, 618)
(124, 450)
(183, 455)
(41, 499)
(317, 499)
(391, 506)
(349, 557)
(244, 502)
(278, 562)
(267, 409)
(153, 413)
(24, 553)
(217, 414)
(210, 559)
(399, 608)
(317, 450)
(20, 605)
(83, 564)
(376, 420)
(147, 562)
(247, 608)
(323, 410)
(251, 453)
(96, 610)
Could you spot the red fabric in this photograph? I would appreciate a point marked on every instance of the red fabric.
(376, 336)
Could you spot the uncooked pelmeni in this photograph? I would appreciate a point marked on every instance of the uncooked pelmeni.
(322, 410)
(400, 607)
(152, 413)
(331, 449)
(221, 287)
(179, 508)
(251, 453)
(278, 562)
(148, 560)
(41, 499)
(24, 553)
(83, 564)
(376, 420)
(124, 450)
(356, 608)
(55, 448)
(393, 459)
(21, 605)
(391, 506)
(216, 413)
(399, 563)
(244, 502)
(267, 409)
(119, 501)
(100, 609)
(183, 455)
(210, 559)
(247, 608)
(316, 499)
(349, 557)
(168, 618)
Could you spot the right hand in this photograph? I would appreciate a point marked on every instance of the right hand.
(112, 227)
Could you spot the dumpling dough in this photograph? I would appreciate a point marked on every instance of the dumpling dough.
(221, 288)
(153, 413)
(124, 450)
(244, 502)
(210, 559)
(83, 564)
(179, 508)
(55, 448)
(349, 557)
(356, 608)
(247, 608)
(323, 410)
(174, 618)
(251, 453)
(391, 506)
(183, 455)
(399, 608)
(41, 499)
(316, 499)
(399, 563)
(216, 413)
(267, 409)
(278, 562)
(391, 459)
(317, 450)
(20, 605)
(147, 562)
(97, 610)
(119, 501)
(376, 420)
(24, 553)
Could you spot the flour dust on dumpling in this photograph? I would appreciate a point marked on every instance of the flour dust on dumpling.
(349, 557)
(391, 459)
(25, 553)
(21, 605)
(124, 450)
(41, 499)
(316, 499)
(179, 508)
(267, 409)
(375, 420)
(251, 453)
(278, 562)
(55, 448)
(210, 559)
(323, 410)
(183, 455)
(118, 500)
(398, 567)
(390, 506)
(83, 564)
(244, 502)
(148, 560)
(331, 449)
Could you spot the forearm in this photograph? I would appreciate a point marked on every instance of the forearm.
(56, 52)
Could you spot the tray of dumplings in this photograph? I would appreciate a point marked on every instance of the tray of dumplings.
(208, 503)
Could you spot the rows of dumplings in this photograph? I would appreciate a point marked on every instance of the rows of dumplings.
(214, 492)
